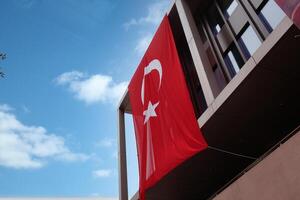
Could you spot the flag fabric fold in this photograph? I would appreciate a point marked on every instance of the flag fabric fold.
(166, 129)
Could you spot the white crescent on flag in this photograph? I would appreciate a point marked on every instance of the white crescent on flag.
(153, 65)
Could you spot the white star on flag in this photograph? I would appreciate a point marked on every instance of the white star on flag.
(150, 112)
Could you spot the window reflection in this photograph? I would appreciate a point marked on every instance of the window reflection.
(218, 28)
(271, 15)
(233, 61)
(232, 7)
(249, 42)
(228, 6)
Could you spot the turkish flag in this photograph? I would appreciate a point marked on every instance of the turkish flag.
(166, 129)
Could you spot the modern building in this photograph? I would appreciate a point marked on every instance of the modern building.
(241, 59)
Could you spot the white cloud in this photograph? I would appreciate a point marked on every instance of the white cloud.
(130, 23)
(92, 89)
(69, 76)
(115, 154)
(143, 43)
(23, 146)
(106, 142)
(5, 108)
(102, 173)
(155, 13)
(26, 3)
(25, 109)
(96, 194)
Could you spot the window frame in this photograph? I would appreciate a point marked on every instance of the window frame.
(253, 20)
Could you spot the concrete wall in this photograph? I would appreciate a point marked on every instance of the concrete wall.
(277, 177)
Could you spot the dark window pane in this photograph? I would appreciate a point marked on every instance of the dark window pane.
(219, 77)
(214, 19)
(191, 76)
(211, 57)
(201, 33)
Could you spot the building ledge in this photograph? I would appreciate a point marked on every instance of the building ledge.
(255, 111)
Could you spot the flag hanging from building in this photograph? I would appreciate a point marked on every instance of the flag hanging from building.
(291, 9)
(166, 129)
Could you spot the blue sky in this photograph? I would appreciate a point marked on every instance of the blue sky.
(68, 62)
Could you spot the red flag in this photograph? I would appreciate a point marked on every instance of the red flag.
(166, 129)
(291, 9)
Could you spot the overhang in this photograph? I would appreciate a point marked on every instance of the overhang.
(255, 111)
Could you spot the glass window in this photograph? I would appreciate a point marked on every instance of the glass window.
(215, 20)
(201, 32)
(249, 42)
(218, 28)
(271, 15)
(221, 81)
(228, 6)
(233, 61)
(232, 7)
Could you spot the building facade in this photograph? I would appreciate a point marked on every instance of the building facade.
(242, 67)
